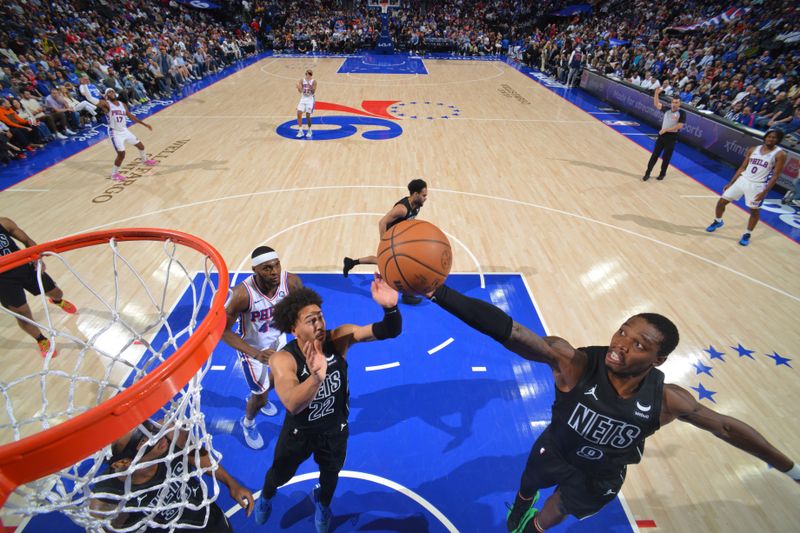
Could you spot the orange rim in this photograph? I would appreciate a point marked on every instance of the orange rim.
(61, 446)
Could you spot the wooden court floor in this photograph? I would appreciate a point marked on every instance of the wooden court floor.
(530, 184)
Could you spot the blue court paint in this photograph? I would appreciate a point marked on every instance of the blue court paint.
(383, 64)
(457, 438)
(328, 128)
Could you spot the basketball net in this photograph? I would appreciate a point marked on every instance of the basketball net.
(123, 332)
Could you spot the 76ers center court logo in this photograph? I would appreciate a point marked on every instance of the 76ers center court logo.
(375, 120)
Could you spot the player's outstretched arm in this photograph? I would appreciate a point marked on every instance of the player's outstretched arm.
(492, 321)
(679, 403)
(390, 327)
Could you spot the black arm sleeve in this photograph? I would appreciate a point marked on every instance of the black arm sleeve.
(391, 325)
(477, 314)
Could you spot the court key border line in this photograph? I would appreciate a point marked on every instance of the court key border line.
(465, 193)
(353, 474)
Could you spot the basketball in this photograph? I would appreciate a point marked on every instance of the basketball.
(414, 256)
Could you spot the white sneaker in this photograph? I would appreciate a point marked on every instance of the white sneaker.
(70, 132)
(270, 409)
(299, 133)
(60, 136)
(251, 435)
(308, 134)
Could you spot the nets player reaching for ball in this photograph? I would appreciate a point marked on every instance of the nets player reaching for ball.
(406, 208)
(311, 381)
(609, 399)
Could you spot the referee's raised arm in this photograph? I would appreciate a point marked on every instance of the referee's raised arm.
(656, 99)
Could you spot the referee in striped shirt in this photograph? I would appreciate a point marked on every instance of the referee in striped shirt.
(673, 121)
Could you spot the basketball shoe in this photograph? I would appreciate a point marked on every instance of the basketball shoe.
(516, 513)
(308, 134)
(269, 409)
(322, 513)
(745, 240)
(349, 263)
(715, 226)
(116, 176)
(299, 133)
(68, 307)
(149, 162)
(44, 347)
(262, 511)
(251, 435)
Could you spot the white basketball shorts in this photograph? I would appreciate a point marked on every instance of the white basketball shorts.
(750, 189)
(119, 138)
(306, 105)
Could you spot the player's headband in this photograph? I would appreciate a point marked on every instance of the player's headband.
(263, 258)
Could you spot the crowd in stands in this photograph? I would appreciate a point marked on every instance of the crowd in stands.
(57, 58)
(744, 70)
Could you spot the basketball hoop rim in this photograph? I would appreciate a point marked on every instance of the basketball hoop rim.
(69, 442)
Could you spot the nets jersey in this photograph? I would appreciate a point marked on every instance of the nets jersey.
(760, 166)
(410, 213)
(596, 430)
(256, 324)
(117, 117)
(181, 503)
(330, 407)
(7, 243)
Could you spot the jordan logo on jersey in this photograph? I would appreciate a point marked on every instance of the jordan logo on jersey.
(591, 393)
(601, 429)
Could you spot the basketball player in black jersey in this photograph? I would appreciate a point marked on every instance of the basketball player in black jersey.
(406, 208)
(14, 283)
(153, 476)
(609, 399)
(311, 381)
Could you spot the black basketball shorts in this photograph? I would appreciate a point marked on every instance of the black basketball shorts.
(14, 283)
(582, 494)
(329, 449)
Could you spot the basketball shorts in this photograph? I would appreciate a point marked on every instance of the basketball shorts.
(14, 283)
(750, 189)
(255, 372)
(582, 494)
(306, 105)
(295, 446)
(119, 138)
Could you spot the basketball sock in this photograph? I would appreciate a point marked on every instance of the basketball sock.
(115, 171)
(57, 302)
(717, 220)
(248, 423)
(143, 155)
(41, 338)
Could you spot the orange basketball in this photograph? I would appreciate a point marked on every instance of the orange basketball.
(414, 256)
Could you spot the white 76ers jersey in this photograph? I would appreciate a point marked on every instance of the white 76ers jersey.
(760, 166)
(256, 324)
(117, 118)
